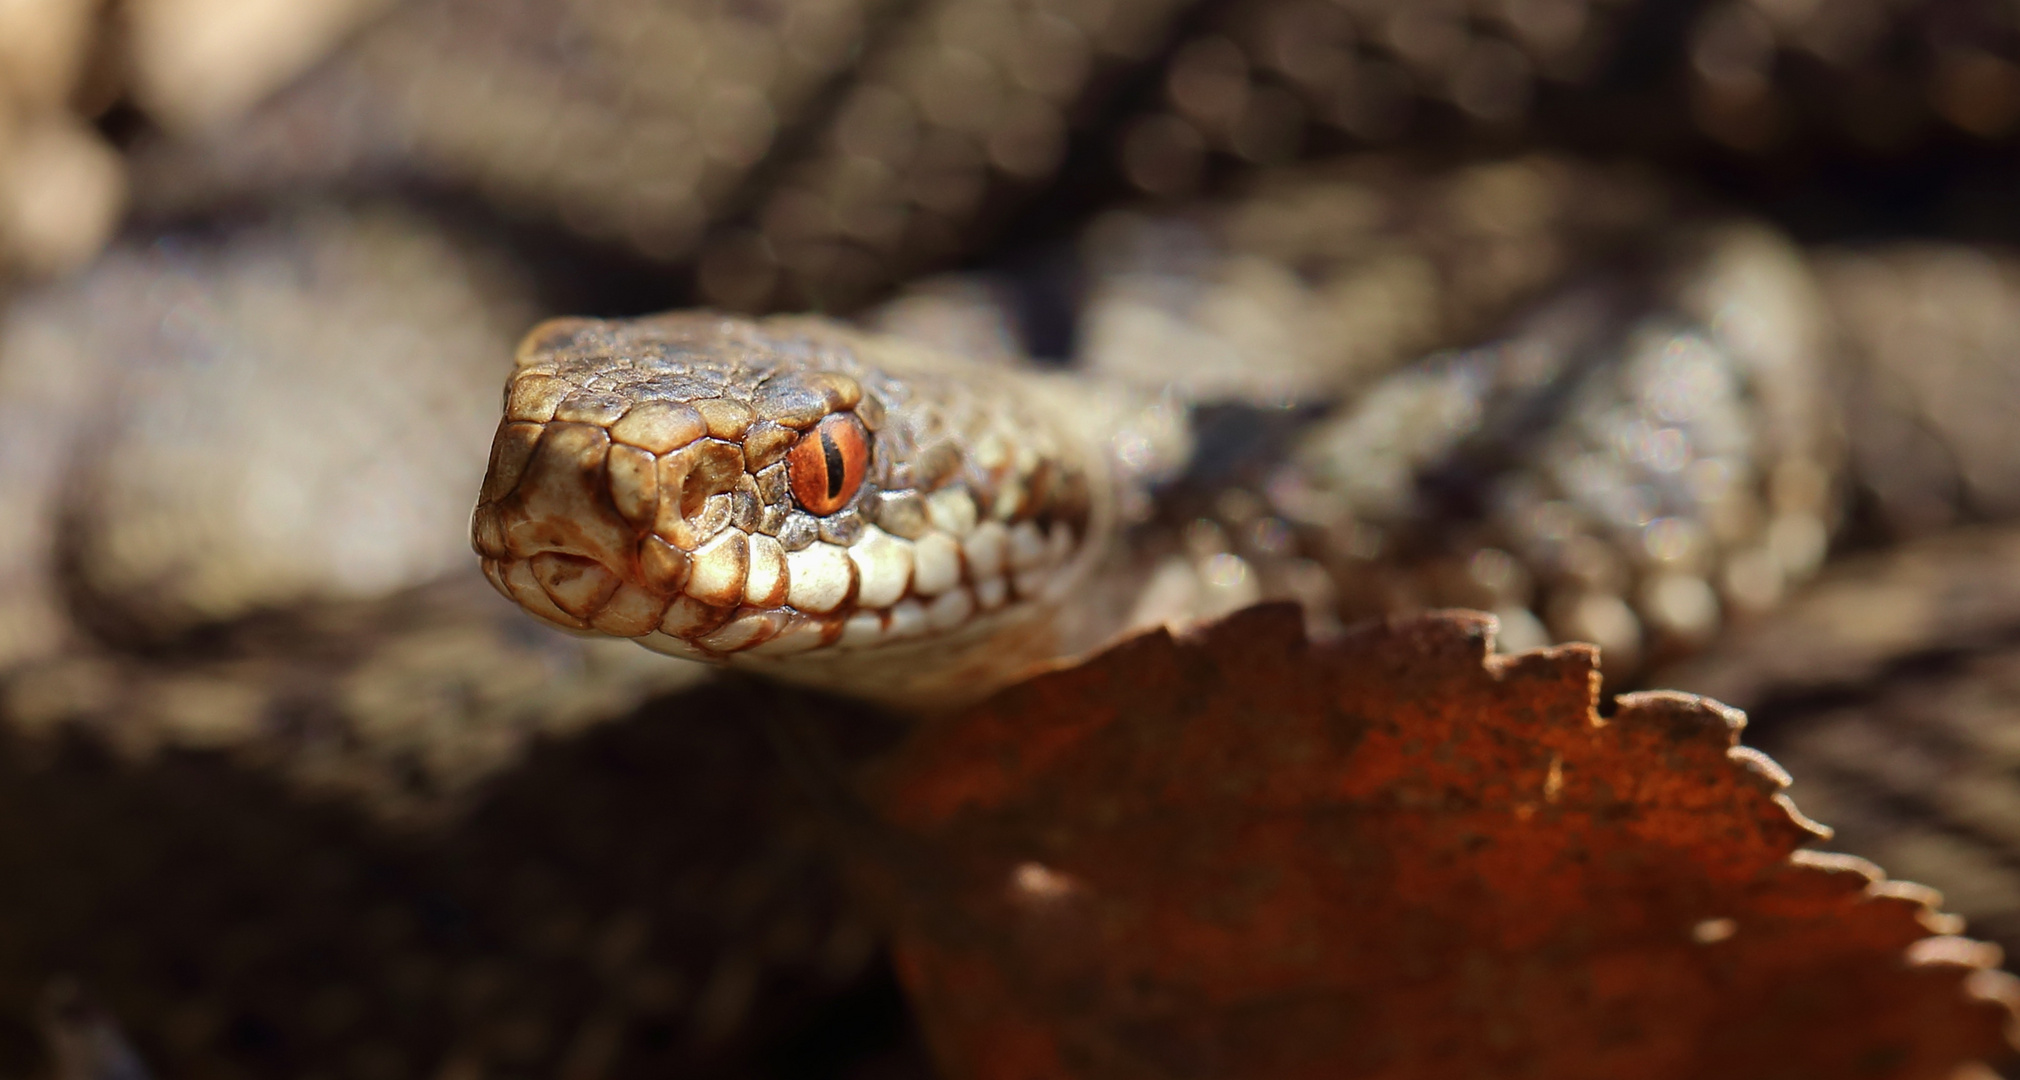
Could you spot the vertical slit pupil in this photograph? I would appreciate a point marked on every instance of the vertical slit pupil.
(832, 455)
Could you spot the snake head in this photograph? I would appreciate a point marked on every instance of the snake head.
(790, 494)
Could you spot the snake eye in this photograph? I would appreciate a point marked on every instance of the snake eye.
(826, 465)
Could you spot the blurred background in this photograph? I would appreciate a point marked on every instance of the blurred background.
(1684, 326)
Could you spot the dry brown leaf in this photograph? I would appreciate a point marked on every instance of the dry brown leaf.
(1393, 856)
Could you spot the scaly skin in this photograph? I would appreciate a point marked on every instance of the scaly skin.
(799, 498)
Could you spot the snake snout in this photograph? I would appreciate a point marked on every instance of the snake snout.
(607, 514)
(548, 523)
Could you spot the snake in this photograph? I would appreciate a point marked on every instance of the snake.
(790, 496)
(873, 515)
(1371, 306)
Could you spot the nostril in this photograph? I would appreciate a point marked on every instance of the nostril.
(696, 485)
(716, 469)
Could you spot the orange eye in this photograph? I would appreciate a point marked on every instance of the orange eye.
(826, 465)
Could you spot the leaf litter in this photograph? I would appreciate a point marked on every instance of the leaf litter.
(1396, 854)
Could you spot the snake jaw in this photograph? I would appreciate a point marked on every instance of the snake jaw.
(787, 494)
